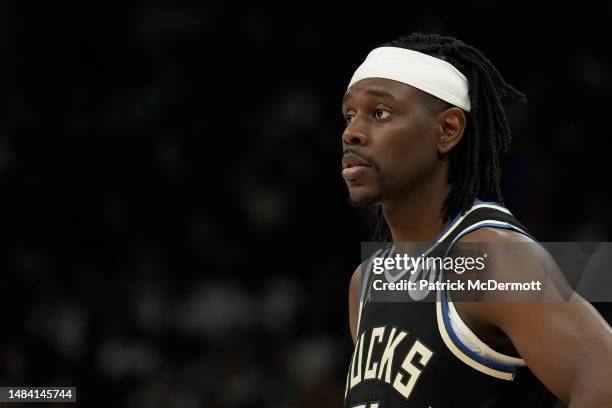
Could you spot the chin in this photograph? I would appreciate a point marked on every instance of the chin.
(361, 196)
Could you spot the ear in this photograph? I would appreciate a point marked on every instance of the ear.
(452, 125)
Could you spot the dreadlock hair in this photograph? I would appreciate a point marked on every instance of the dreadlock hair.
(475, 163)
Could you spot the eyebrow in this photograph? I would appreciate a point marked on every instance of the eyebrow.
(372, 92)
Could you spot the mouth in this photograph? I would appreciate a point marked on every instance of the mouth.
(353, 166)
(351, 172)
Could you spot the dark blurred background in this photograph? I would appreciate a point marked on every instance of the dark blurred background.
(175, 227)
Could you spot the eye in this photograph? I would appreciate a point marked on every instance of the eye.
(348, 116)
(381, 113)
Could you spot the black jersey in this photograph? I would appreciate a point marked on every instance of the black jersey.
(408, 355)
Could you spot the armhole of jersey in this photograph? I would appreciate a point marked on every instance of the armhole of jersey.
(360, 299)
(462, 341)
(363, 279)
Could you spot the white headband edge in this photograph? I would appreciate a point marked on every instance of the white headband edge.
(429, 74)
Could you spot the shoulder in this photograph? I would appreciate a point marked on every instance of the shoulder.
(510, 250)
(356, 274)
(522, 270)
(491, 235)
(354, 285)
(513, 256)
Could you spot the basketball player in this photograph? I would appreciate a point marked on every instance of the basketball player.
(425, 132)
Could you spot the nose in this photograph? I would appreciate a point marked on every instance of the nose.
(352, 135)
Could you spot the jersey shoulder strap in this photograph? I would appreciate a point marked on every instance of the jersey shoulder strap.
(485, 214)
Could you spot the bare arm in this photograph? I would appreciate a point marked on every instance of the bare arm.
(567, 345)
(354, 301)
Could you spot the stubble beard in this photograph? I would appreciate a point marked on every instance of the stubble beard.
(372, 199)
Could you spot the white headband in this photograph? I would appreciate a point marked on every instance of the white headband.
(427, 73)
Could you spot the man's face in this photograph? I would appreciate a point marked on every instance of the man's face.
(390, 140)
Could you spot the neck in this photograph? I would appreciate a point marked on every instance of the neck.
(417, 216)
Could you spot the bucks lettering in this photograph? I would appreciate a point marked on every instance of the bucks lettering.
(373, 360)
